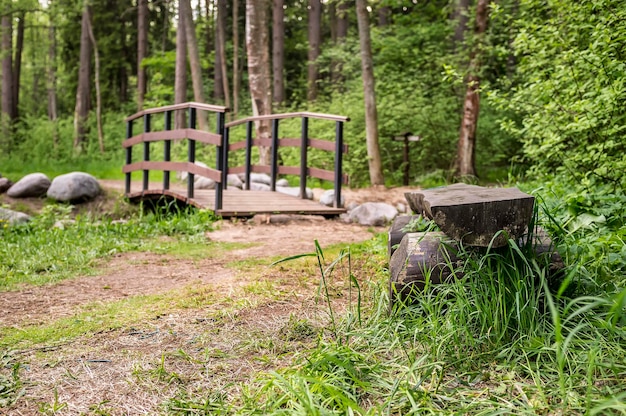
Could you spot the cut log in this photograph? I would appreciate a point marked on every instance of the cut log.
(421, 258)
(396, 232)
(475, 215)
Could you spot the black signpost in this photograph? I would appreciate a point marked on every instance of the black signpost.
(406, 138)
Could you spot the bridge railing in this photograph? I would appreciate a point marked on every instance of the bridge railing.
(304, 142)
(167, 135)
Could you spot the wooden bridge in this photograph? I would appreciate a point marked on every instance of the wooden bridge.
(222, 200)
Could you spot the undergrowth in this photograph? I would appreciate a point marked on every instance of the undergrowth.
(54, 247)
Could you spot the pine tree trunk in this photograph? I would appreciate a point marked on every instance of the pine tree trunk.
(94, 44)
(142, 50)
(220, 34)
(17, 65)
(371, 115)
(257, 46)
(81, 111)
(194, 58)
(315, 38)
(235, 58)
(465, 165)
(7, 73)
(278, 51)
(180, 78)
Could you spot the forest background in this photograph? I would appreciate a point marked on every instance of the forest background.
(549, 74)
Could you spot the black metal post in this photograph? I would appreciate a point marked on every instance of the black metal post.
(191, 152)
(222, 160)
(248, 153)
(129, 154)
(274, 149)
(304, 147)
(338, 162)
(167, 150)
(146, 152)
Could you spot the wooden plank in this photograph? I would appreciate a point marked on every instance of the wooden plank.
(156, 136)
(175, 167)
(182, 106)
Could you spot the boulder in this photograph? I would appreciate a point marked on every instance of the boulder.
(32, 185)
(373, 213)
(256, 186)
(475, 215)
(233, 180)
(12, 217)
(282, 182)
(74, 186)
(294, 191)
(202, 182)
(328, 198)
(5, 184)
(260, 178)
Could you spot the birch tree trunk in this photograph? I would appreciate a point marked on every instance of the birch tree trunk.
(465, 160)
(97, 83)
(371, 115)
(142, 50)
(180, 77)
(17, 65)
(258, 69)
(81, 111)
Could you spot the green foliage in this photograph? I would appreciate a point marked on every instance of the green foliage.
(10, 383)
(571, 89)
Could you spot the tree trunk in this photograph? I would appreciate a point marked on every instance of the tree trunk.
(258, 69)
(278, 50)
(371, 116)
(7, 73)
(384, 15)
(194, 57)
(315, 38)
(461, 17)
(51, 84)
(142, 50)
(17, 65)
(218, 77)
(97, 83)
(220, 34)
(180, 80)
(235, 58)
(464, 165)
(81, 111)
(340, 21)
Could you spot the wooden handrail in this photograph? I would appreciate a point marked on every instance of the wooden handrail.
(319, 116)
(183, 106)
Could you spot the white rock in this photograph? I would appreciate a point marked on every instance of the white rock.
(74, 186)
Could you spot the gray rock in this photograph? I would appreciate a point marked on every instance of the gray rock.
(202, 182)
(401, 208)
(13, 217)
(282, 182)
(352, 205)
(32, 185)
(233, 181)
(256, 186)
(294, 191)
(74, 186)
(328, 198)
(5, 184)
(373, 213)
(260, 178)
(474, 214)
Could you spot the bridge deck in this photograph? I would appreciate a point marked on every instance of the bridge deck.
(238, 203)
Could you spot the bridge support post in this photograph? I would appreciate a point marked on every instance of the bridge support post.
(191, 152)
(274, 167)
(167, 150)
(304, 156)
(248, 153)
(129, 155)
(146, 152)
(338, 162)
(222, 160)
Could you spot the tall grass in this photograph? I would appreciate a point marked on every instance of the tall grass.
(509, 337)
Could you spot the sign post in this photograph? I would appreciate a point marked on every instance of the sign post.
(406, 138)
